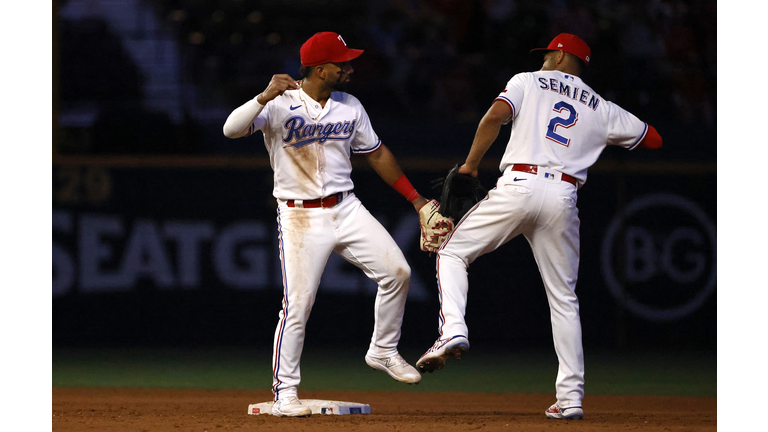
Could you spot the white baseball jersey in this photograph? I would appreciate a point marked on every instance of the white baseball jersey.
(559, 122)
(310, 146)
(561, 126)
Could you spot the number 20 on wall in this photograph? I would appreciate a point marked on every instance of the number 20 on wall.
(561, 121)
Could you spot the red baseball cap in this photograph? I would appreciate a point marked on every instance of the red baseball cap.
(326, 47)
(571, 44)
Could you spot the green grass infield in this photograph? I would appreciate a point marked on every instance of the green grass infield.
(343, 368)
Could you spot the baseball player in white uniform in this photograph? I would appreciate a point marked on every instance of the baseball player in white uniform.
(559, 128)
(310, 130)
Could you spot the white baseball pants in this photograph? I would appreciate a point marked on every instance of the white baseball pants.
(544, 211)
(307, 236)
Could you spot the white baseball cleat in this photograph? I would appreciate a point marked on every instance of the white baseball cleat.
(570, 413)
(434, 358)
(290, 407)
(396, 367)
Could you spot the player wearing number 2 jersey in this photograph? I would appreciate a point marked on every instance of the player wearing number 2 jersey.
(559, 128)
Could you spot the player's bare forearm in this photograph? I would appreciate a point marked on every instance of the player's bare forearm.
(384, 163)
(487, 132)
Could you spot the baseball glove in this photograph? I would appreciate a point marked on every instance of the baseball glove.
(434, 227)
(460, 192)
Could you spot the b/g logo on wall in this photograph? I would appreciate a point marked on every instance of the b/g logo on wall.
(659, 257)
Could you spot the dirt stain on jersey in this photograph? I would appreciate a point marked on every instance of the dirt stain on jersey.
(395, 268)
(306, 165)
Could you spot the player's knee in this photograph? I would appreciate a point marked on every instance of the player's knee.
(402, 275)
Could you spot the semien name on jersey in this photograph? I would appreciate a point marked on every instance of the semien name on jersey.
(579, 95)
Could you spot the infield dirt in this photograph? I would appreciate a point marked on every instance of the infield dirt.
(124, 409)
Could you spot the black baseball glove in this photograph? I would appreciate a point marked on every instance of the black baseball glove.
(460, 192)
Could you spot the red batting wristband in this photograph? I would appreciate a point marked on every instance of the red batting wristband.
(405, 188)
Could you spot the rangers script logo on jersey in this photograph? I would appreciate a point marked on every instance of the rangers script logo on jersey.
(300, 134)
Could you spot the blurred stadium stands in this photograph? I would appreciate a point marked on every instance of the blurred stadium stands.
(160, 76)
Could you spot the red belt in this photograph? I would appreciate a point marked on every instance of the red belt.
(533, 168)
(325, 202)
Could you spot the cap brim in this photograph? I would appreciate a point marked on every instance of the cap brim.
(351, 54)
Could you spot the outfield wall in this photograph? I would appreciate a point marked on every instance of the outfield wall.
(183, 251)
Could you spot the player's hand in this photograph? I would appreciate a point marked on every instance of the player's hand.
(435, 227)
(466, 169)
(277, 86)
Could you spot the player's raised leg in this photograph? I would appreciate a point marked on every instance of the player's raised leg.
(484, 229)
(299, 230)
(366, 244)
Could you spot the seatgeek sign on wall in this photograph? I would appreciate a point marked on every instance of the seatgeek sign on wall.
(124, 230)
(109, 253)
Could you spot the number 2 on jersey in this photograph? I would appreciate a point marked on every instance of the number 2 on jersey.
(560, 121)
